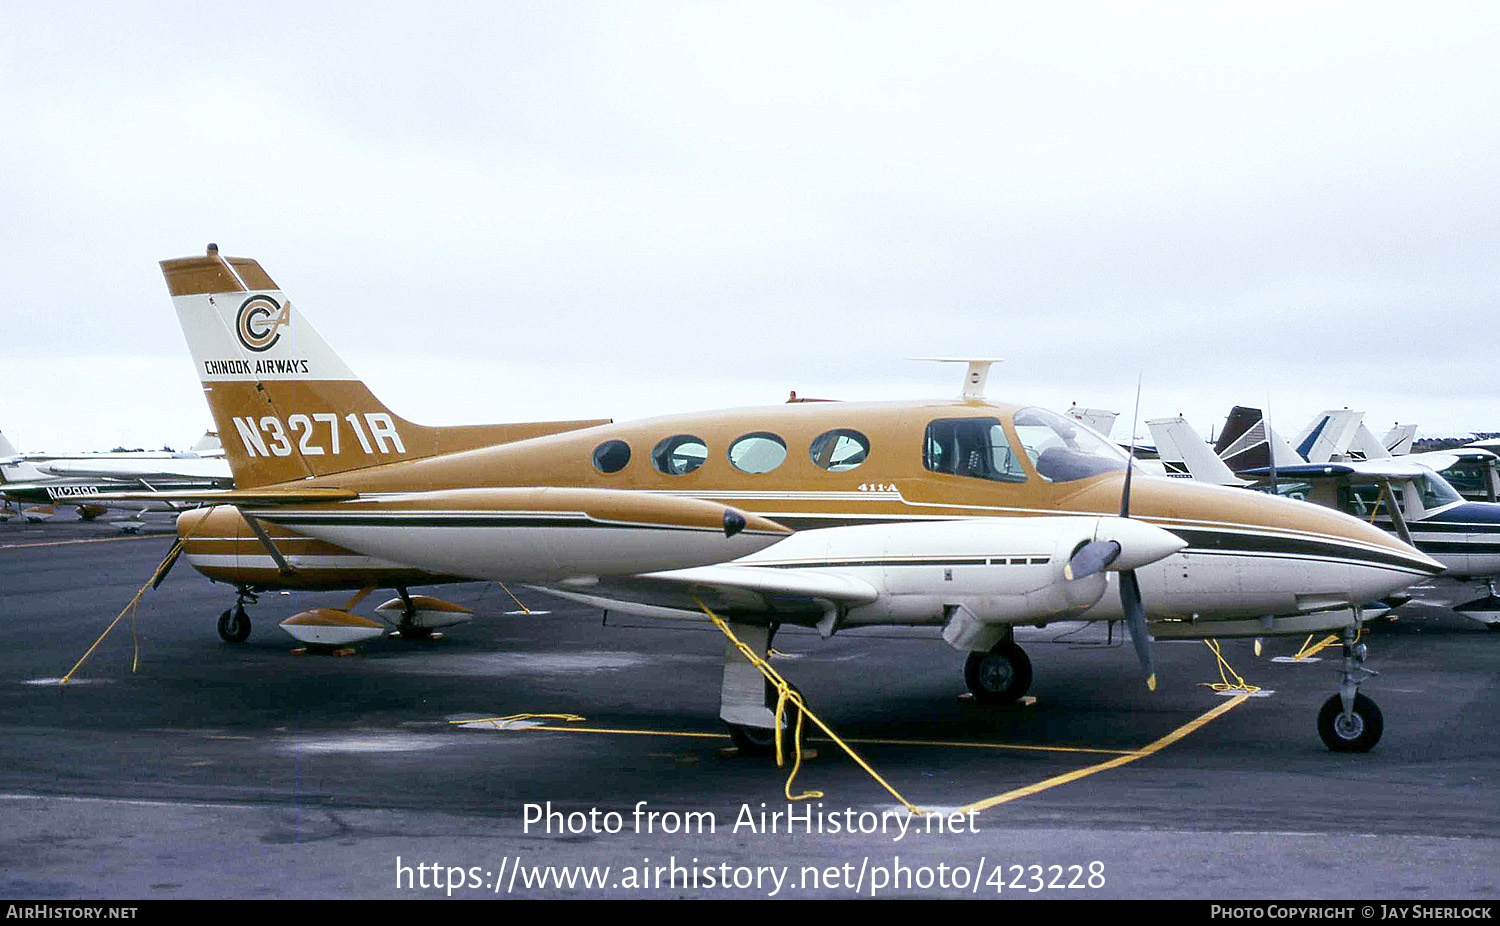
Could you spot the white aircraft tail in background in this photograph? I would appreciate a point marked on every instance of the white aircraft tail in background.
(1099, 419)
(1398, 439)
(1248, 443)
(1184, 453)
(1328, 436)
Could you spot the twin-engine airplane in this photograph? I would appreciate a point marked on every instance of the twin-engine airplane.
(963, 515)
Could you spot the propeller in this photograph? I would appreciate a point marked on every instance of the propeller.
(1130, 589)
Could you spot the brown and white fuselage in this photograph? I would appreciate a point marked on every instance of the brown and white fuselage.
(966, 514)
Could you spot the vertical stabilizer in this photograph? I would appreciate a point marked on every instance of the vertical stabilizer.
(285, 405)
(1101, 420)
(1398, 439)
(1327, 438)
(1182, 450)
(1247, 443)
(1366, 446)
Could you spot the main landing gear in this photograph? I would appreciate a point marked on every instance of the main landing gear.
(1349, 721)
(234, 624)
(1000, 676)
(747, 700)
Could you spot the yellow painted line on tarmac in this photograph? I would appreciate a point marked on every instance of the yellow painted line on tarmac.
(1142, 753)
(713, 736)
(1121, 756)
(63, 543)
(971, 745)
(821, 739)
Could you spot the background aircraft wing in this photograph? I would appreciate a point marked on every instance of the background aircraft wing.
(1386, 468)
(187, 469)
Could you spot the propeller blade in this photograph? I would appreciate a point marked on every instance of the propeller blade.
(1091, 558)
(1135, 618)
(1130, 461)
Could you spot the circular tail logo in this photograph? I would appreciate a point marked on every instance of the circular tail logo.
(260, 322)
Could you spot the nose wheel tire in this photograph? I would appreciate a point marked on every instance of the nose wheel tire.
(1357, 732)
(1000, 676)
(234, 625)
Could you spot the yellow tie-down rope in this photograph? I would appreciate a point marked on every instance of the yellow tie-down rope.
(1224, 684)
(786, 694)
(514, 598)
(155, 580)
(1308, 649)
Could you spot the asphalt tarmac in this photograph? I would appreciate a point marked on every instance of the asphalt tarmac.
(213, 770)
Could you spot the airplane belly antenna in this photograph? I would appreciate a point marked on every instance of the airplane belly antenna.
(974, 377)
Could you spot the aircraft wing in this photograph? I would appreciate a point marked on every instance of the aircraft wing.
(1385, 468)
(794, 596)
(196, 469)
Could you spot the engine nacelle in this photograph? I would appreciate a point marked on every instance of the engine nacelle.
(996, 570)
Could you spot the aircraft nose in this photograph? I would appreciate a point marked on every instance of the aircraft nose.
(1377, 563)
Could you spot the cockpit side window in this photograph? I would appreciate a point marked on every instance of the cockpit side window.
(1467, 475)
(974, 447)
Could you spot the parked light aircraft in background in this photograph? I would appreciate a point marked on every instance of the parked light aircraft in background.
(1340, 435)
(1100, 419)
(965, 515)
(45, 481)
(1405, 495)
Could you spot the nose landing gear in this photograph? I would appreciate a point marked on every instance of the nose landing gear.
(1349, 721)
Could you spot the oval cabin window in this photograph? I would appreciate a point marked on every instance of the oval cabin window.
(611, 456)
(839, 450)
(679, 454)
(759, 452)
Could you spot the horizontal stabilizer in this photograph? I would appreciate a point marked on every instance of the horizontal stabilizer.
(268, 496)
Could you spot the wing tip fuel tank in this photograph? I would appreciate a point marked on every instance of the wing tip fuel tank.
(537, 534)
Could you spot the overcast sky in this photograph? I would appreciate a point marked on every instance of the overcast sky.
(507, 211)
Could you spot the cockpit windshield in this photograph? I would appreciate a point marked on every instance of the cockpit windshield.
(1436, 492)
(1062, 450)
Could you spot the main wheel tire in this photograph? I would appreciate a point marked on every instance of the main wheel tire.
(759, 741)
(234, 625)
(1358, 732)
(1000, 676)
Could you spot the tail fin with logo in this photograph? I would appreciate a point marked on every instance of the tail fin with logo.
(1328, 436)
(1182, 451)
(286, 407)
